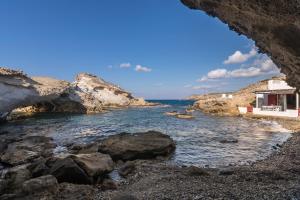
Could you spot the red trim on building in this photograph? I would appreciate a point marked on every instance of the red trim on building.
(272, 99)
(249, 109)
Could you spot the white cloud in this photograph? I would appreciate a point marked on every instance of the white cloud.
(202, 79)
(261, 66)
(245, 72)
(239, 57)
(217, 73)
(140, 68)
(125, 65)
(266, 65)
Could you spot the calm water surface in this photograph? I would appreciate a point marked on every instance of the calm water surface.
(198, 140)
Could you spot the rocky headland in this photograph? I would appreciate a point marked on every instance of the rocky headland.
(22, 95)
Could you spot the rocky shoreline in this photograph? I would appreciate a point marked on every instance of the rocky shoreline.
(31, 170)
(277, 177)
(84, 173)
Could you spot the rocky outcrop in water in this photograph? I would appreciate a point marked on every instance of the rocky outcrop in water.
(88, 94)
(126, 146)
(274, 25)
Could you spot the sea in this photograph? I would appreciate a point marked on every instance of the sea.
(198, 140)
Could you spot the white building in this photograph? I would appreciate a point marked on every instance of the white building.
(227, 96)
(278, 100)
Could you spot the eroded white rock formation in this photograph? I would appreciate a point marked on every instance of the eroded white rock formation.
(88, 94)
(17, 90)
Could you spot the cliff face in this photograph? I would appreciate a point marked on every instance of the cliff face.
(88, 94)
(95, 93)
(273, 24)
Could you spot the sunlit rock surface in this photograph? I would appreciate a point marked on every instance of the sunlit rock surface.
(17, 89)
(274, 25)
(95, 93)
(87, 94)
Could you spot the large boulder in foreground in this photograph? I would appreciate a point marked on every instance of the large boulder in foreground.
(66, 170)
(34, 185)
(82, 168)
(126, 146)
(94, 164)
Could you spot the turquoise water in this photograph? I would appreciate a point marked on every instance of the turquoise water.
(198, 140)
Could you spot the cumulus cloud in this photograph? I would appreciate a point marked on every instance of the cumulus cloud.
(218, 73)
(239, 57)
(261, 66)
(214, 74)
(140, 68)
(125, 65)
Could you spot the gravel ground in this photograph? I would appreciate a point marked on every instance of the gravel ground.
(277, 177)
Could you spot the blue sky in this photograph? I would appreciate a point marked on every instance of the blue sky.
(166, 50)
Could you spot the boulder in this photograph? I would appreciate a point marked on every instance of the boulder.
(47, 182)
(3, 186)
(84, 148)
(127, 168)
(126, 146)
(94, 164)
(28, 149)
(66, 170)
(108, 184)
(15, 156)
(15, 177)
(39, 168)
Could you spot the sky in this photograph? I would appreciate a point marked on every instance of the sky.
(155, 49)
